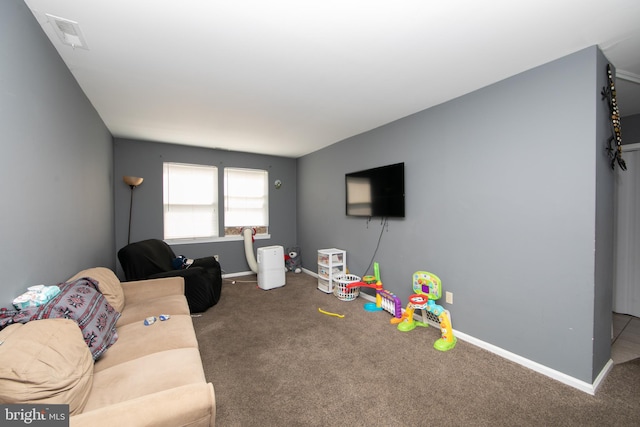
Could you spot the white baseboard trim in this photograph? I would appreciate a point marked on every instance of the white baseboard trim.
(249, 273)
(241, 273)
(309, 272)
(535, 366)
(602, 375)
(530, 364)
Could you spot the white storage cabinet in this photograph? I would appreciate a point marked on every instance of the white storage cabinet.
(331, 264)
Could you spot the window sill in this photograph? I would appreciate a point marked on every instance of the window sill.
(214, 239)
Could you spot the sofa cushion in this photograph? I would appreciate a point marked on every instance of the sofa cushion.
(136, 340)
(145, 375)
(45, 361)
(81, 301)
(167, 304)
(108, 284)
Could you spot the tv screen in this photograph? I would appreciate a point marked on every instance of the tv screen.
(376, 192)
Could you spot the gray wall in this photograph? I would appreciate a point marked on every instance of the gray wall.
(500, 204)
(56, 164)
(605, 232)
(144, 159)
(508, 197)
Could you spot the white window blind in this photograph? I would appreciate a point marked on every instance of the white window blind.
(246, 198)
(190, 199)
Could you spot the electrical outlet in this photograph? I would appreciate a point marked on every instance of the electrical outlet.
(217, 257)
(449, 297)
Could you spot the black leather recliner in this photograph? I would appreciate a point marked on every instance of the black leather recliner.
(153, 258)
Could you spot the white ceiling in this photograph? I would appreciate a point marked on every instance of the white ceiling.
(288, 77)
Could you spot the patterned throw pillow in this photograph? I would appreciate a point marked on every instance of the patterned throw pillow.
(108, 284)
(81, 301)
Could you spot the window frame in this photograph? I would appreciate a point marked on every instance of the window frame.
(234, 230)
(167, 192)
(222, 234)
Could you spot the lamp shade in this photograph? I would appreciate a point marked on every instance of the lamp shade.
(132, 181)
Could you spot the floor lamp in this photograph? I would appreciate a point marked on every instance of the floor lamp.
(132, 182)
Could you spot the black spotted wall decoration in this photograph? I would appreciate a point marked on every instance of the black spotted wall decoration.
(614, 142)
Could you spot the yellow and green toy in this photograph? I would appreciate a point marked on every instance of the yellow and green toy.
(428, 288)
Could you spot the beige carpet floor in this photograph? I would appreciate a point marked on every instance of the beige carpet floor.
(275, 360)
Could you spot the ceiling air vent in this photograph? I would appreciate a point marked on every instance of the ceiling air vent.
(68, 31)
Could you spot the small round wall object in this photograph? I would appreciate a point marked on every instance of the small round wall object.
(277, 184)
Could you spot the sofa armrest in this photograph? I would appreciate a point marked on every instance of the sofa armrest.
(142, 290)
(189, 405)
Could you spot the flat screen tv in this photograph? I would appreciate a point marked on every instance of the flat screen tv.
(377, 192)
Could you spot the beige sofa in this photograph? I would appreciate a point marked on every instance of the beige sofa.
(151, 376)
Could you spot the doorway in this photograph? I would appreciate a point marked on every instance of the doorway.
(626, 288)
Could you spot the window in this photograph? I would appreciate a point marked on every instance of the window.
(246, 200)
(190, 199)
